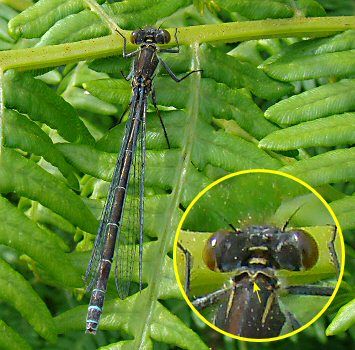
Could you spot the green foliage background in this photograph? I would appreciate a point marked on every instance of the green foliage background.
(280, 99)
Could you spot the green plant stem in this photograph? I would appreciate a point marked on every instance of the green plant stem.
(269, 28)
(19, 5)
(54, 55)
(2, 107)
(95, 7)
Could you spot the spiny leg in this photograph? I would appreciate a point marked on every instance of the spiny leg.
(292, 320)
(172, 74)
(211, 298)
(154, 99)
(188, 267)
(129, 76)
(125, 111)
(125, 55)
(311, 290)
(177, 43)
(333, 253)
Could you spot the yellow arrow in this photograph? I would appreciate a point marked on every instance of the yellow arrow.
(256, 290)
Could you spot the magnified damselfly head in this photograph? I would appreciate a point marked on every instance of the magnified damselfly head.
(269, 279)
(150, 36)
(262, 246)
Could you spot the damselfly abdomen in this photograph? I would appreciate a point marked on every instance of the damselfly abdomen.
(121, 226)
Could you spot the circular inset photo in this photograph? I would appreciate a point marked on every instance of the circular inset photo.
(259, 255)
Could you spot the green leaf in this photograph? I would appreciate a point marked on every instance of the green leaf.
(3, 31)
(77, 76)
(28, 303)
(52, 77)
(5, 45)
(29, 180)
(22, 234)
(112, 64)
(344, 319)
(21, 132)
(37, 19)
(315, 103)
(310, 8)
(80, 26)
(78, 99)
(135, 13)
(174, 122)
(324, 168)
(229, 70)
(46, 217)
(314, 58)
(337, 64)
(113, 91)
(345, 211)
(265, 9)
(337, 7)
(229, 152)
(31, 96)
(7, 12)
(89, 160)
(245, 112)
(11, 339)
(330, 131)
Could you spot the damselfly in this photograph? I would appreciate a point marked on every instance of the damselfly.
(122, 219)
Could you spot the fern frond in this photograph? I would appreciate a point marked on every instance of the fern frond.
(59, 142)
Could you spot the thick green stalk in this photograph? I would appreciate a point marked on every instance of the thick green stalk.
(54, 55)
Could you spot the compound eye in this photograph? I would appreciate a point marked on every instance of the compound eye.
(297, 251)
(163, 37)
(211, 250)
(133, 37)
(166, 37)
(308, 249)
(217, 246)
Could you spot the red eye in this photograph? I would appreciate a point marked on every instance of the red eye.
(308, 248)
(296, 250)
(209, 254)
(166, 37)
(162, 36)
(133, 37)
(212, 250)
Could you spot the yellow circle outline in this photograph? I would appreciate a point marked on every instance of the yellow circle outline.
(267, 171)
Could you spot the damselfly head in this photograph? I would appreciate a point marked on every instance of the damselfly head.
(294, 250)
(150, 36)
